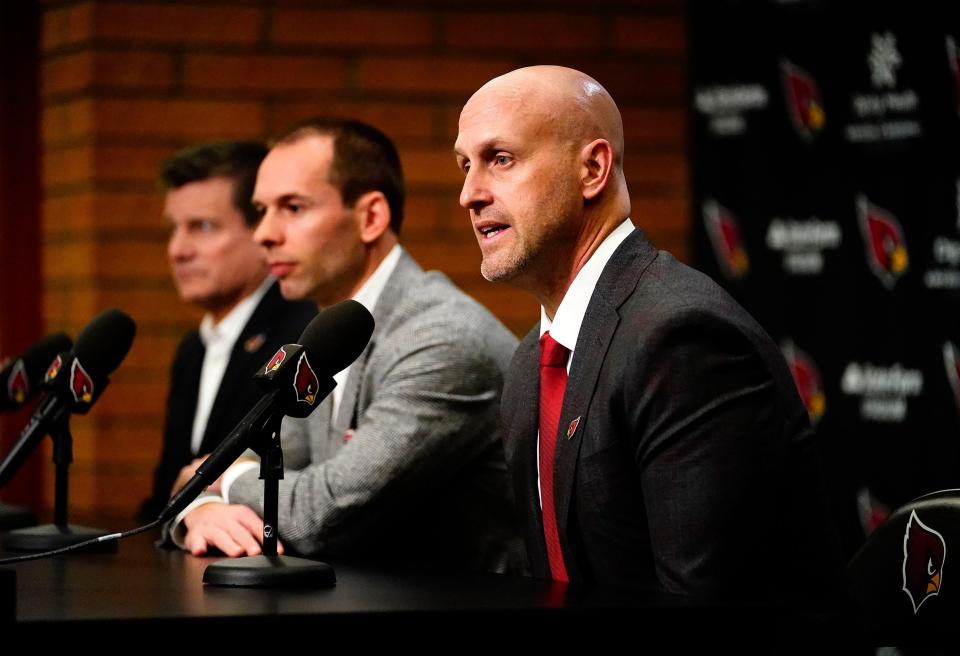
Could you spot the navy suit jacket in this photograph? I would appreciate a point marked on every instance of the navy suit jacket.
(274, 322)
(689, 469)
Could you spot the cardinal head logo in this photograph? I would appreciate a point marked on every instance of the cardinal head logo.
(924, 553)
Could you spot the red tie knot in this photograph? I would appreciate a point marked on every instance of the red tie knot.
(552, 352)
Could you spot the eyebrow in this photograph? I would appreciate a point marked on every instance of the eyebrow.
(491, 144)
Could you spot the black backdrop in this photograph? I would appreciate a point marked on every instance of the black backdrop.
(826, 181)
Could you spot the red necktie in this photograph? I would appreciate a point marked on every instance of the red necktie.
(553, 382)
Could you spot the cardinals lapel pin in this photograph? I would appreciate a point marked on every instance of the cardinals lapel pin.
(572, 428)
(253, 343)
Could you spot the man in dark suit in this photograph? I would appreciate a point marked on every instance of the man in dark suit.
(662, 443)
(217, 266)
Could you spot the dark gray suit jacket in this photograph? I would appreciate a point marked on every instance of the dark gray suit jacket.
(411, 469)
(687, 471)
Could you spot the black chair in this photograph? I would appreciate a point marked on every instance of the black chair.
(905, 579)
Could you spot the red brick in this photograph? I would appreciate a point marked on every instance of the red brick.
(61, 27)
(171, 23)
(505, 31)
(104, 209)
(190, 119)
(637, 79)
(431, 166)
(517, 309)
(670, 212)
(462, 76)
(121, 70)
(398, 120)
(264, 73)
(87, 164)
(455, 256)
(379, 27)
(653, 34)
(655, 168)
(662, 126)
(67, 122)
(67, 165)
(421, 215)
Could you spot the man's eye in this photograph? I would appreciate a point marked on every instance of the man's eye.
(465, 166)
(294, 208)
(502, 160)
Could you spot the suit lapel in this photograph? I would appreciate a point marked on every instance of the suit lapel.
(618, 280)
(522, 447)
(403, 276)
(241, 367)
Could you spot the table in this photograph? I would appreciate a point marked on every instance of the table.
(154, 590)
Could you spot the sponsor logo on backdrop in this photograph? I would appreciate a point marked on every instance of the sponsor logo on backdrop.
(924, 554)
(726, 106)
(723, 230)
(945, 272)
(803, 100)
(883, 390)
(951, 360)
(806, 376)
(18, 387)
(887, 112)
(803, 242)
(886, 249)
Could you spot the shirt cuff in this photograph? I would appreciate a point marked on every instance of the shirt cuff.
(178, 532)
(232, 474)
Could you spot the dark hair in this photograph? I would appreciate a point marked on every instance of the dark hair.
(364, 159)
(237, 160)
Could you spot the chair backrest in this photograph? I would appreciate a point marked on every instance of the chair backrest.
(906, 578)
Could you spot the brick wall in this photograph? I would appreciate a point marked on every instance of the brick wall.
(126, 83)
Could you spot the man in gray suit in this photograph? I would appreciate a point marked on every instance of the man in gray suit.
(653, 431)
(403, 462)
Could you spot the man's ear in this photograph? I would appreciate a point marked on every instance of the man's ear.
(372, 213)
(596, 160)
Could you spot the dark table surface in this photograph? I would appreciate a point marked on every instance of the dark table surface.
(157, 590)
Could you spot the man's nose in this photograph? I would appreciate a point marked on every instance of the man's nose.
(475, 193)
(268, 232)
(179, 247)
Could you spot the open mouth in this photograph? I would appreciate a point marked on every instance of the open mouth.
(492, 230)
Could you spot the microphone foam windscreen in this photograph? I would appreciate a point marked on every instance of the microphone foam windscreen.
(38, 357)
(337, 336)
(104, 342)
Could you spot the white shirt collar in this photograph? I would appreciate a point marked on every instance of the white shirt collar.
(369, 292)
(228, 329)
(565, 327)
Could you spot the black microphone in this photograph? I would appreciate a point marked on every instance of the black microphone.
(295, 380)
(74, 381)
(20, 380)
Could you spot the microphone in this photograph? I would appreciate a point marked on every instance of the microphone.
(74, 381)
(295, 380)
(20, 380)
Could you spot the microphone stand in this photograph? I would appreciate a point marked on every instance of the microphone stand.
(270, 570)
(59, 534)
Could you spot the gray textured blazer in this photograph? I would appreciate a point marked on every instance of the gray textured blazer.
(411, 469)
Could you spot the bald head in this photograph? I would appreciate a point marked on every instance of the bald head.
(571, 104)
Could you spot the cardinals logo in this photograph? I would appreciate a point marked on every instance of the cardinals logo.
(803, 100)
(883, 236)
(807, 379)
(924, 553)
(305, 382)
(53, 369)
(952, 364)
(18, 387)
(724, 232)
(80, 383)
(276, 361)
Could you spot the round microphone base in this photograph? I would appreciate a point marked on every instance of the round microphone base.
(51, 536)
(270, 572)
(12, 517)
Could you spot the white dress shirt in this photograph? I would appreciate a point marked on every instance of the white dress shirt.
(565, 327)
(218, 341)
